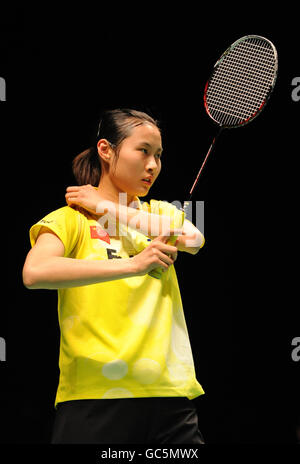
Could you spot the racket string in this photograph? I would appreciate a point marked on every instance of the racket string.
(249, 60)
(244, 75)
(241, 82)
(238, 94)
(243, 109)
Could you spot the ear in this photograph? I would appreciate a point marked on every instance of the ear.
(104, 150)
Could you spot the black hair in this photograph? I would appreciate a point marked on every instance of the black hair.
(114, 126)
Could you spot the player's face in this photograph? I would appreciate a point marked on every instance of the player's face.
(139, 158)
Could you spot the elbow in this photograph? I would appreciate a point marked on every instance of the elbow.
(194, 251)
(29, 278)
(201, 242)
(197, 244)
(190, 243)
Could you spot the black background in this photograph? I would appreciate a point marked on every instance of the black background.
(240, 291)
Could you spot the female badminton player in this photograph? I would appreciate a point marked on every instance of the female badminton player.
(126, 366)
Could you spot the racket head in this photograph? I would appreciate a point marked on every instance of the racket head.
(241, 82)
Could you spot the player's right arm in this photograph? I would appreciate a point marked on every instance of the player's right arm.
(46, 266)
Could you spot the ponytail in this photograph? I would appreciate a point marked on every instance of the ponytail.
(86, 167)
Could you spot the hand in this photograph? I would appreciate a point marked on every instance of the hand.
(156, 255)
(86, 196)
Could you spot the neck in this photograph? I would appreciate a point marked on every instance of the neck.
(110, 192)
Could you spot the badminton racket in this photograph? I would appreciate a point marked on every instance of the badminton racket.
(237, 91)
(239, 87)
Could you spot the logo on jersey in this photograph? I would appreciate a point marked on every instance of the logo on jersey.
(97, 232)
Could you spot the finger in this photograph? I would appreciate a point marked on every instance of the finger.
(166, 248)
(172, 255)
(71, 199)
(72, 188)
(71, 195)
(166, 258)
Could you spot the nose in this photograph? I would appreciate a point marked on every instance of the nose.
(152, 164)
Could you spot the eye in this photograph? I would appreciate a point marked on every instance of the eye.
(145, 150)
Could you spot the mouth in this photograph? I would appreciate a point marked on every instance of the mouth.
(147, 181)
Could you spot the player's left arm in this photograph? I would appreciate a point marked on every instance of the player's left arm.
(191, 239)
(152, 225)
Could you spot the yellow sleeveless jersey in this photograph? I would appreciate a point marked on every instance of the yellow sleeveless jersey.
(125, 338)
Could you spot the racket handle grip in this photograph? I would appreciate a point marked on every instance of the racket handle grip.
(158, 272)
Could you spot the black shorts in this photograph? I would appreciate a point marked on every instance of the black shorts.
(151, 420)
